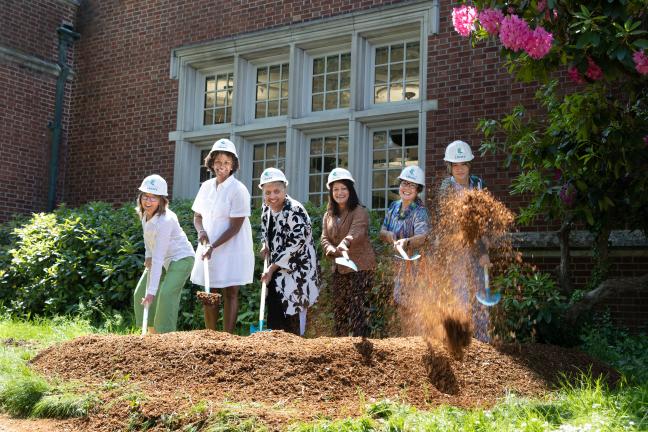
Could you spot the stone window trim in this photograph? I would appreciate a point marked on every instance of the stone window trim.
(361, 31)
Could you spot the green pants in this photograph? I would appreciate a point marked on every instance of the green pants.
(163, 311)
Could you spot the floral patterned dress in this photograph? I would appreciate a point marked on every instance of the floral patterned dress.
(292, 249)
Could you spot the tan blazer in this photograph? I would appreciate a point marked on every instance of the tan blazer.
(355, 224)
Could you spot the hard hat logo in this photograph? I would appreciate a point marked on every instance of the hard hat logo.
(154, 184)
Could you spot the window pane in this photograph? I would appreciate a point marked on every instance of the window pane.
(396, 53)
(258, 152)
(271, 151)
(382, 55)
(330, 162)
(379, 159)
(411, 154)
(380, 94)
(381, 75)
(345, 98)
(396, 72)
(396, 92)
(316, 146)
(412, 50)
(260, 110)
(412, 70)
(221, 82)
(273, 91)
(316, 199)
(275, 74)
(411, 90)
(343, 144)
(283, 107)
(331, 82)
(332, 63)
(208, 117)
(345, 80)
(210, 100)
(331, 101)
(395, 138)
(318, 84)
(318, 66)
(210, 84)
(284, 89)
(257, 169)
(314, 183)
(379, 179)
(379, 139)
(378, 200)
(330, 145)
(282, 149)
(273, 108)
(220, 99)
(345, 61)
(392, 177)
(315, 164)
(318, 102)
(262, 75)
(261, 93)
(411, 137)
(219, 115)
(395, 158)
(285, 71)
(343, 160)
(281, 164)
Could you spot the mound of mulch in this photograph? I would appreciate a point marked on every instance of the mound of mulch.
(309, 377)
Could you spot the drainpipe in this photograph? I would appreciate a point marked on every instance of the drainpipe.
(66, 36)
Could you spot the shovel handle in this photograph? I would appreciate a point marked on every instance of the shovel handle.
(345, 254)
(264, 290)
(402, 252)
(206, 274)
(146, 306)
(486, 279)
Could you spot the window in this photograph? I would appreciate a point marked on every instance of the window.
(331, 85)
(218, 99)
(264, 155)
(326, 153)
(396, 72)
(271, 91)
(392, 149)
(205, 174)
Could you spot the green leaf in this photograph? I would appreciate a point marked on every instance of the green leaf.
(641, 43)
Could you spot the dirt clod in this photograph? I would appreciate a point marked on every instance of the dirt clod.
(209, 299)
(458, 335)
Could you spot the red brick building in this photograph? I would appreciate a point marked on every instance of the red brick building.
(303, 85)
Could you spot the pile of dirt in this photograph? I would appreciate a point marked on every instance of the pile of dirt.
(308, 377)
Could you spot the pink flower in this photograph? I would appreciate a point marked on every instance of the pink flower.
(641, 62)
(574, 75)
(463, 19)
(514, 33)
(491, 19)
(539, 43)
(593, 72)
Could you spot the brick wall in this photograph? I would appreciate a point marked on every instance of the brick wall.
(27, 100)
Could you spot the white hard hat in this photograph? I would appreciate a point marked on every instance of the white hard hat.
(225, 145)
(413, 174)
(458, 151)
(270, 175)
(338, 174)
(154, 184)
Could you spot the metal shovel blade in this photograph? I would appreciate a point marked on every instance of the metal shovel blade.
(486, 296)
(403, 255)
(145, 320)
(206, 273)
(345, 261)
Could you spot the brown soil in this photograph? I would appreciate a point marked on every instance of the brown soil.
(306, 378)
(209, 299)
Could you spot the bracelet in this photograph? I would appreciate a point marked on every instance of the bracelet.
(202, 231)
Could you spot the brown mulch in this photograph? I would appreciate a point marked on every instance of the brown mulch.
(307, 377)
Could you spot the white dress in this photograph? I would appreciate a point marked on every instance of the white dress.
(232, 263)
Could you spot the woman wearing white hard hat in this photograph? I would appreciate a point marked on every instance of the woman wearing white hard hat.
(168, 258)
(221, 217)
(406, 222)
(345, 230)
(458, 158)
(292, 276)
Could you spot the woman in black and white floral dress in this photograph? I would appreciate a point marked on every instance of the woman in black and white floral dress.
(292, 276)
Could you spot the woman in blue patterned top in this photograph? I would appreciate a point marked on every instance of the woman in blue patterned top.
(406, 222)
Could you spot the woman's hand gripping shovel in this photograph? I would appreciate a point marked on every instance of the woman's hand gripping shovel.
(264, 291)
(344, 260)
(486, 296)
(209, 300)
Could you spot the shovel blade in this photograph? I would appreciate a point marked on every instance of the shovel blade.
(346, 262)
(488, 298)
(411, 258)
(261, 327)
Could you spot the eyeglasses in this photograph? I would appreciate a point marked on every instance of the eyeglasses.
(150, 198)
(219, 164)
(406, 184)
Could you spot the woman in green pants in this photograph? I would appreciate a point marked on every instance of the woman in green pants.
(168, 261)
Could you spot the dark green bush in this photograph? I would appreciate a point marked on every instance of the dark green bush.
(530, 308)
(87, 261)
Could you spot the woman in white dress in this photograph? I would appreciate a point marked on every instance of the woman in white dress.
(221, 217)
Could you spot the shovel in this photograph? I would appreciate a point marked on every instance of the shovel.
(264, 290)
(146, 307)
(403, 255)
(487, 297)
(345, 261)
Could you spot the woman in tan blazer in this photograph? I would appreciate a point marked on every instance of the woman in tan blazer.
(345, 227)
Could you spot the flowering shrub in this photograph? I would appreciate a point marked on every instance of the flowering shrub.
(463, 19)
(641, 62)
(491, 19)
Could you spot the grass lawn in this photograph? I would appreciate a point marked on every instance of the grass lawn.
(586, 405)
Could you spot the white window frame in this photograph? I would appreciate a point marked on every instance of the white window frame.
(200, 97)
(358, 33)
